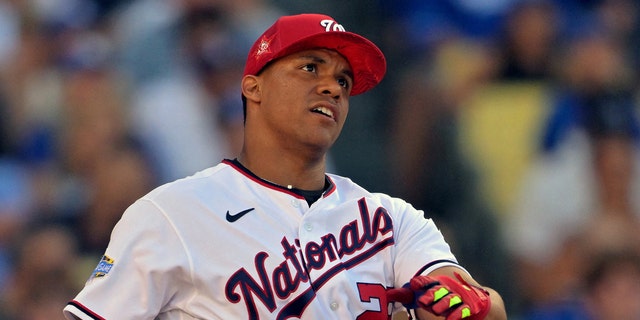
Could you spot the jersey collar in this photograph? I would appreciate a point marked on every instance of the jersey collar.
(329, 186)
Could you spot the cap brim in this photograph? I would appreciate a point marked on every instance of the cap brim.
(365, 58)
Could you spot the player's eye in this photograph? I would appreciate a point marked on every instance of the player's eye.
(311, 67)
(344, 82)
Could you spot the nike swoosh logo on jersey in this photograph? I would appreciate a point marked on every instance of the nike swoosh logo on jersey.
(235, 217)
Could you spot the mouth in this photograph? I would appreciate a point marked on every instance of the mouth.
(327, 112)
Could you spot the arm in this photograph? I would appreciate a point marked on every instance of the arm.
(139, 279)
(421, 246)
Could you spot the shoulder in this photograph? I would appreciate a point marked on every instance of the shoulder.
(349, 189)
(346, 186)
(207, 178)
(183, 202)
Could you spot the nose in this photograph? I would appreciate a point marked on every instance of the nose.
(329, 86)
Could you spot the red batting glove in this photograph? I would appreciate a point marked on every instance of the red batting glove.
(444, 296)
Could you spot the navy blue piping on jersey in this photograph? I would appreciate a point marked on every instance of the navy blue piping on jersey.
(432, 263)
(85, 310)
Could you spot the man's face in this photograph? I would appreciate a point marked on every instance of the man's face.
(305, 99)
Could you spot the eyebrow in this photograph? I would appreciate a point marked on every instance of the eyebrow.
(319, 60)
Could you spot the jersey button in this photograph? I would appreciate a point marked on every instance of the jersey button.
(308, 226)
(334, 306)
(295, 203)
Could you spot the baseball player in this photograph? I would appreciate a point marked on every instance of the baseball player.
(270, 235)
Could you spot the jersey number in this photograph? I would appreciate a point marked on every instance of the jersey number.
(374, 295)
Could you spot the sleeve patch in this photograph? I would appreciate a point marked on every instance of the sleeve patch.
(103, 267)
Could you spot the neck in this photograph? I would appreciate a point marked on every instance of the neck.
(286, 170)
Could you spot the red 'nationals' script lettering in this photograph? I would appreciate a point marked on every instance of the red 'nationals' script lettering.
(358, 240)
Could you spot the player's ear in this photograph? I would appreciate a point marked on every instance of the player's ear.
(251, 88)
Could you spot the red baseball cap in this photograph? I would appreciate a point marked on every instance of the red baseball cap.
(290, 34)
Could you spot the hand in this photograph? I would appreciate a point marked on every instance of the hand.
(443, 296)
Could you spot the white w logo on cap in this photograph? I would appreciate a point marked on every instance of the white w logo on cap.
(330, 25)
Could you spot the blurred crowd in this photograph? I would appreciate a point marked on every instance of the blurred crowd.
(512, 123)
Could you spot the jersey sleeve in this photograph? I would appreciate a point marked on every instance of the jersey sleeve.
(139, 274)
(419, 245)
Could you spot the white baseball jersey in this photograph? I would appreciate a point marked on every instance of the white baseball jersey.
(224, 244)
